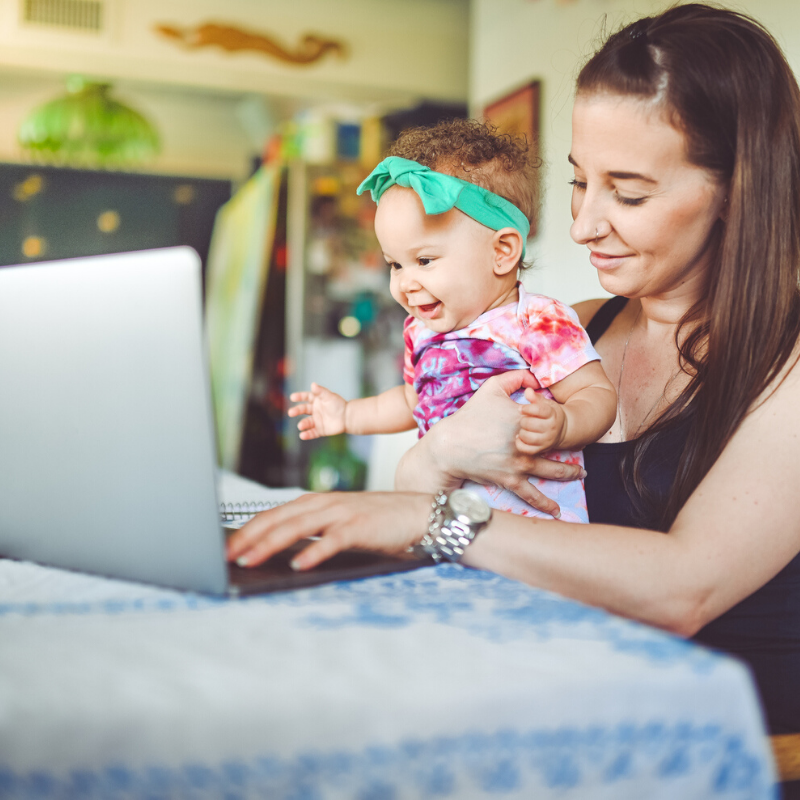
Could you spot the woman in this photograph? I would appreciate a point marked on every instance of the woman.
(686, 151)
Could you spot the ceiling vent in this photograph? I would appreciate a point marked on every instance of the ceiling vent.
(66, 15)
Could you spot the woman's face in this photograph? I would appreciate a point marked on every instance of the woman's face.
(645, 213)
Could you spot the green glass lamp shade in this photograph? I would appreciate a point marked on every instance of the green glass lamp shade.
(88, 127)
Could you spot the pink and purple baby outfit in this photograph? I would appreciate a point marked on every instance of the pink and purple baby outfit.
(536, 333)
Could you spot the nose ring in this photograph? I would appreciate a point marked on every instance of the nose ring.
(596, 233)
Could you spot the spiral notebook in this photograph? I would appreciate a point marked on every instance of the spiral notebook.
(106, 429)
(234, 515)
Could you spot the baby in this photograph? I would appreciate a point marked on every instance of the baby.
(454, 208)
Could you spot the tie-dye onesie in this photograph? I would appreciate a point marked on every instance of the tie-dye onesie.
(535, 333)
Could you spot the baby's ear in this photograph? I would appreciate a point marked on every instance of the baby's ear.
(507, 246)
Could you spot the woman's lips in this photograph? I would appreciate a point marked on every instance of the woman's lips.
(428, 311)
(605, 261)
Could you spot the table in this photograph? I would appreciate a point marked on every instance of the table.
(445, 682)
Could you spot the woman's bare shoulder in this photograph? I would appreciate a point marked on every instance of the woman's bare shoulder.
(586, 309)
(784, 389)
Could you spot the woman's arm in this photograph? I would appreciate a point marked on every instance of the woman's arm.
(739, 528)
(734, 534)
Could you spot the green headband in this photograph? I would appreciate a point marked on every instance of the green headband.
(439, 193)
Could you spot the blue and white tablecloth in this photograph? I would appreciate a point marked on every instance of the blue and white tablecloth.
(440, 683)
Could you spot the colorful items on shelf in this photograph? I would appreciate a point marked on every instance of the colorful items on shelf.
(317, 138)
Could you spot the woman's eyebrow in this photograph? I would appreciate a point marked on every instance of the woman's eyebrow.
(632, 176)
(621, 176)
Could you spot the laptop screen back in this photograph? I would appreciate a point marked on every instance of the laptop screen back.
(107, 455)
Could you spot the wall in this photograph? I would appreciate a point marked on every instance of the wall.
(199, 98)
(515, 41)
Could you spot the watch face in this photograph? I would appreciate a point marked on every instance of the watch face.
(470, 505)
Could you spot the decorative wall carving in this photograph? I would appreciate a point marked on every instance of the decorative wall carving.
(309, 49)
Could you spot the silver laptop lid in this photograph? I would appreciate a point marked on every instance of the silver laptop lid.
(107, 454)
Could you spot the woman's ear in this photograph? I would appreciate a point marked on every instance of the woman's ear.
(507, 246)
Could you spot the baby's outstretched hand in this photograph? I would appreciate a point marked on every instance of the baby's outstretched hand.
(325, 410)
(543, 425)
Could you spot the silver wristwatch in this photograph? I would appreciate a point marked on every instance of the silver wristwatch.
(455, 520)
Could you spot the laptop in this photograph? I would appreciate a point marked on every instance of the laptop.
(107, 448)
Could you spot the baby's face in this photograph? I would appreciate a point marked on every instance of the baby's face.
(442, 265)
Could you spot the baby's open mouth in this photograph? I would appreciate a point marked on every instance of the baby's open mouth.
(428, 311)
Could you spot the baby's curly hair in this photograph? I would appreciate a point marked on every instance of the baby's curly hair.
(474, 151)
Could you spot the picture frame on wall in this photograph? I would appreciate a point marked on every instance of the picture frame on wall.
(517, 113)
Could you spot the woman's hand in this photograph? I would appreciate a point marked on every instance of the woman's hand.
(480, 443)
(386, 522)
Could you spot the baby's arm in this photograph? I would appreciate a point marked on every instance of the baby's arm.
(330, 414)
(585, 409)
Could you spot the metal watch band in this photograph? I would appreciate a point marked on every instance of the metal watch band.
(446, 539)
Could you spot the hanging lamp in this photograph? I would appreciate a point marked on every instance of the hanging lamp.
(88, 127)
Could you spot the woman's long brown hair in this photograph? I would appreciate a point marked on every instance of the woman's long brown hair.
(724, 82)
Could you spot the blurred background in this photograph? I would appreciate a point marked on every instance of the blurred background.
(242, 128)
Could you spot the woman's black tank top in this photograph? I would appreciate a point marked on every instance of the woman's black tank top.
(764, 629)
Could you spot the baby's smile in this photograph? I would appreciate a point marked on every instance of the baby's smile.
(428, 310)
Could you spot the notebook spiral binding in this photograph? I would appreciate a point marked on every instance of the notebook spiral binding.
(231, 512)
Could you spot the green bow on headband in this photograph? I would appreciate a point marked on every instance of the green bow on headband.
(439, 193)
